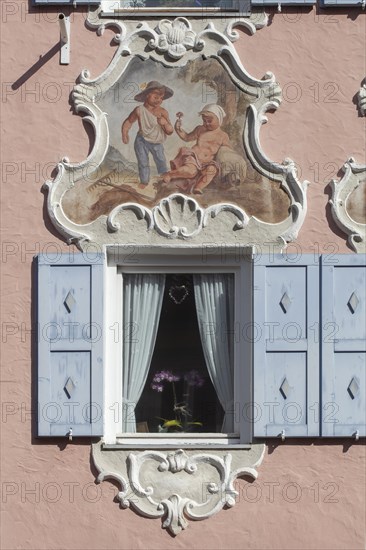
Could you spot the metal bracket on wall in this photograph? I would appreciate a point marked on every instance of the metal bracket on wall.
(64, 22)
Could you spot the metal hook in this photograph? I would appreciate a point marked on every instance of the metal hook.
(357, 435)
(283, 435)
(70, 434)
(64, 23)
(279, 7)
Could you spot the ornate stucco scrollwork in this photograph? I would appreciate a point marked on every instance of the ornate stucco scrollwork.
(177, 485)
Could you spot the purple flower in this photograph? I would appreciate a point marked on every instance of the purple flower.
(193, 378)
(162, 376)
(157, 387)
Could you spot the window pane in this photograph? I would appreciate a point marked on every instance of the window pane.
(222, 4)
(179, 395)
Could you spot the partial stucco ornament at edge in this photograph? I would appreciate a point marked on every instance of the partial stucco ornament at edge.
(362, 99)
(354, 180)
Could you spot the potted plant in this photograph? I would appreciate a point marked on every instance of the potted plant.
(181, 420)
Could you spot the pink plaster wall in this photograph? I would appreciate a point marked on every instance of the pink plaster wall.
(309, 495)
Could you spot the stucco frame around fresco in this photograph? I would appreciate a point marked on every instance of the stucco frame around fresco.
(170, 46)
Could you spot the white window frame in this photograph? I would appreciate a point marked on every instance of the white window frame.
(111, 8)
(164, 259)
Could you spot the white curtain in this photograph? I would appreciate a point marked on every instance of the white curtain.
(142, 300)
(214, 295)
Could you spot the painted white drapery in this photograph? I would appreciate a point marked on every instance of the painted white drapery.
(214, 295)
(142, 300)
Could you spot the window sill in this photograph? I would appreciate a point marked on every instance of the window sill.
(176, 12)
(165, 446)
(206, 441)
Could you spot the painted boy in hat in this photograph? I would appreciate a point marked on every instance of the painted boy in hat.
(154, 126)
(198, 163)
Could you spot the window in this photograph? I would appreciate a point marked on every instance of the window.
(188, 354)
(126, 8)
(193, 8)
(182, 365)
(179, 4)
(199, 8)
(297, 327)
(64, 2)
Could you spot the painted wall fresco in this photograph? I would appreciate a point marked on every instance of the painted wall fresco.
(175, 130)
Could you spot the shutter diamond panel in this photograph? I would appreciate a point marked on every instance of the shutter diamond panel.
(70, 351)
(286, 349)
(344, 345)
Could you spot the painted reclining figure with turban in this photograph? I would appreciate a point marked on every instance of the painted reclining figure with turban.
(200, 164)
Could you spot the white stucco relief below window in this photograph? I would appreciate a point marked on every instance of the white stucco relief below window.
(178, 485)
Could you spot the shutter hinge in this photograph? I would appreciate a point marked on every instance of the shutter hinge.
(70, 434)
(282, 435)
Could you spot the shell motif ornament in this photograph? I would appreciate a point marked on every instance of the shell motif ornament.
(178, 216)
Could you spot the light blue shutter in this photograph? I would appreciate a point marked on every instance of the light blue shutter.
(344, 345)
(341, 3)
(283, 3)
(286, 346)
(242, 6)
(70, 350)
